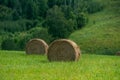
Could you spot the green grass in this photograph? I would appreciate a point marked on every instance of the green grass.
(15, 65)
(102, 34)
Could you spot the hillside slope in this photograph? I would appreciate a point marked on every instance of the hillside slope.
(102, 34)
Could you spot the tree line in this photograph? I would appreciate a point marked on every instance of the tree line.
(21, 20)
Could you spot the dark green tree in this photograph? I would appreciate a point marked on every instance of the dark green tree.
(56, 23)
(81, 20)
(5, 13)
(51, 3)
(42, 7)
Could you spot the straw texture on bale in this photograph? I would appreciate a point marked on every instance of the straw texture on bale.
(63, 50)
(118, 53)
(36, 46)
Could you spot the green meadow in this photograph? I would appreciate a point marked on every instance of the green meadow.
(99, 41)
(102, 34)
(16, 65)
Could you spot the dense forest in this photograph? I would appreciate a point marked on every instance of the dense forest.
(21, 20)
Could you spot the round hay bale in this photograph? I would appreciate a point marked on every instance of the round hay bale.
(118, 53)
(63, 50)
(36, 46)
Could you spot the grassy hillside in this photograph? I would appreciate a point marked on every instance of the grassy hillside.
(102, 34)
(16, 65)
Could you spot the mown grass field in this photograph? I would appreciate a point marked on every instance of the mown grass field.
(16, 65)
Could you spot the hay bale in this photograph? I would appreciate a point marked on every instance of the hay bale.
(36, 46)
(63, 50)
(118, 53)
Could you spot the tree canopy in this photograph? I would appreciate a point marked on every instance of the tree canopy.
(55, 18)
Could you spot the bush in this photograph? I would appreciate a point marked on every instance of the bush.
(23, 41)
(42, 33)
(81, 20)
(9, 44)
(37, 32)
